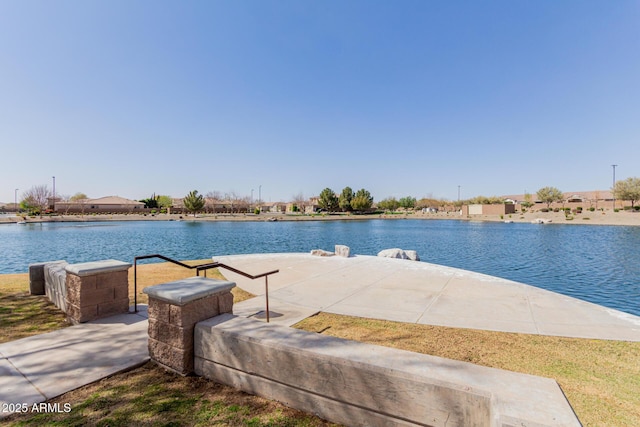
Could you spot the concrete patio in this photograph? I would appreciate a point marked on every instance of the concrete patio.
(418, 292)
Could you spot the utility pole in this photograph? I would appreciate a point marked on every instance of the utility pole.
(15, 200)
(54, 194)
(614, 186)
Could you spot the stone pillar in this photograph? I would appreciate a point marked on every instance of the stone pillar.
(174, 310)
(97, 289)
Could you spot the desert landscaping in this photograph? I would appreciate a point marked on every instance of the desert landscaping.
(597, 217)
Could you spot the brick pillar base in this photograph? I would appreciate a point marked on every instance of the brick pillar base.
(96, 290)
(174, 310)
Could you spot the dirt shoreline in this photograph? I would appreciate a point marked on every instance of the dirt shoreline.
(606, 217)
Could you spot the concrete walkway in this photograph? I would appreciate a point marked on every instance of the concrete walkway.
(41, 367)
(419, 292)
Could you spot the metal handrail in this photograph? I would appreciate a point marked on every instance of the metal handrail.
(198, 268)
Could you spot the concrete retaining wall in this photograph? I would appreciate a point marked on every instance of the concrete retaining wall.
(497, 209)
(48, 278)
(359, 384)
(55, 277)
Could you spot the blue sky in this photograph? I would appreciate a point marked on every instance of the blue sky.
(399, 97)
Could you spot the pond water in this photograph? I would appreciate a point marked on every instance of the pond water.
(599, 264)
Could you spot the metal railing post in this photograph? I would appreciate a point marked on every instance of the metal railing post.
(135, 286)
(266, 294)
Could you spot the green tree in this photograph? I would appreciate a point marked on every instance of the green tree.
(362, 200)
(407, 202)
(328, 200)
(345, 199)
(527, 200)
(151, 202)
(193, 202)
(629, 189)
(389, 204)
(549, 195)
(165, 201)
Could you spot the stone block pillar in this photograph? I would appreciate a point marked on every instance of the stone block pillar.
(97, 289)
(36, 278)
(174, 310)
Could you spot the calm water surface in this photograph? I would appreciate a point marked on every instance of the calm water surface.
(595, 263)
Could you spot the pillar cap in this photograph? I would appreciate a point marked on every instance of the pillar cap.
(184, 291)
(97, 267)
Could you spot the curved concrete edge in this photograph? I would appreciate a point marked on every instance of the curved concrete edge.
(424, 293)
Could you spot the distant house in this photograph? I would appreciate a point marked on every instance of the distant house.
(113, 204)
(585, 199)
(274, 207)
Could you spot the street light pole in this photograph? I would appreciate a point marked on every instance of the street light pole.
(54, 193)
(458, 194)
(260, 197)
(613, 192)
(15, 200)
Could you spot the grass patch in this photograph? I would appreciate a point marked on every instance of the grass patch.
(151, 396)
(600, 378)
(23, 315)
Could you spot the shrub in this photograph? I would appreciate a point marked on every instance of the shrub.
(616, 210)
(544, 210)
(592, 209)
